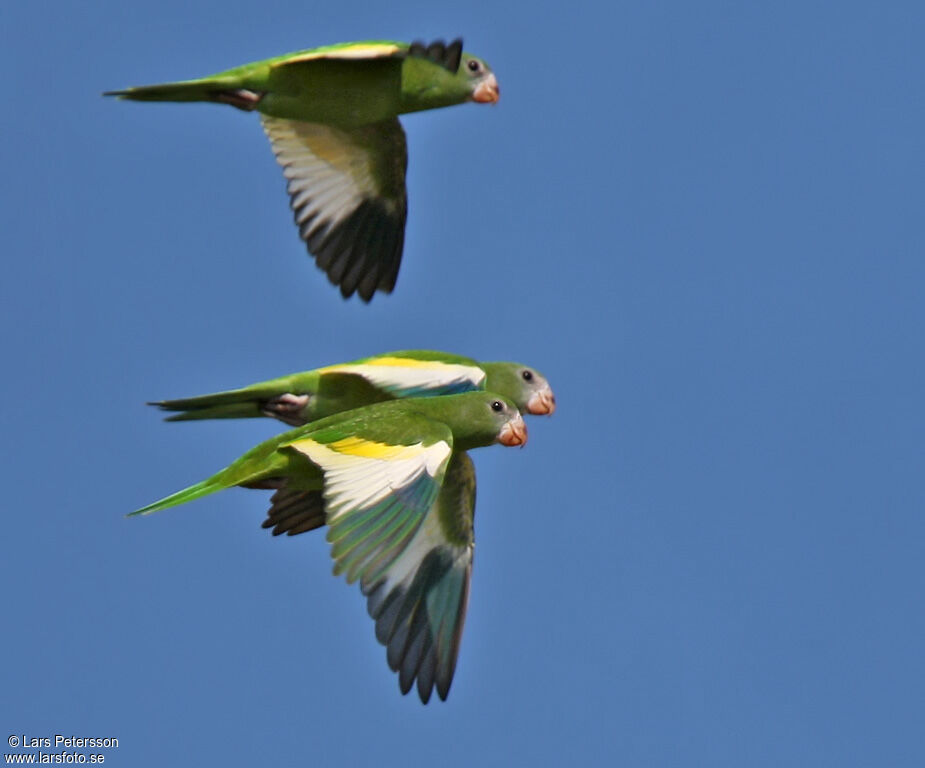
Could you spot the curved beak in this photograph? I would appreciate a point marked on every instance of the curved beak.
(542, 403)
(514, 432)
(487, 91)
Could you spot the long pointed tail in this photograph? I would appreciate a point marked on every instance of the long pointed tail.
(208, 89)
(273, 398)
(261, 467)
(211, 485)
(193, 411)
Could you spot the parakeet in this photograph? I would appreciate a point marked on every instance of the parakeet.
(303, 397)
(331, 114)
(398, 497)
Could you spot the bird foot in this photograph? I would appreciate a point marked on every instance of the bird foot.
(241, 98)
(287, 408)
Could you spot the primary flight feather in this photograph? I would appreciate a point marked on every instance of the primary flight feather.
(397, 492)
(331, 115)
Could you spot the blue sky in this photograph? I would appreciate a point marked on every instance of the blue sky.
(702, 222)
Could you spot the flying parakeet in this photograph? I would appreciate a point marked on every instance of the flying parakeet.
(331, 114)
(303, 397)
(300, 398)
(398, 495)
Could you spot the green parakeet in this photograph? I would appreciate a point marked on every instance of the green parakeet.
(398, 496)
(303, 397)
(331, 114)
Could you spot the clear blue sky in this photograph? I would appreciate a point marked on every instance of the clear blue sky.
(703, 222)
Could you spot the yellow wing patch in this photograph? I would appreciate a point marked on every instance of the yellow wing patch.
(395, 362)
(359, 473)
(366, 449)
(406, 362)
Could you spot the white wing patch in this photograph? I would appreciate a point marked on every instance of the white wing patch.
(358, 51)
(429, 536)
(328, 173)
(360, 473)
(347, 190)
(405, 376)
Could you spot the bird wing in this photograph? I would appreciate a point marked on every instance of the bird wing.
(347, 190)
(419, 618)
(407, 377)
(377, 493)
(293, 511)
(447, 56)
(377, 49)
(400, 521)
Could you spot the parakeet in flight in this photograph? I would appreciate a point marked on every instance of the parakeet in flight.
(331, 114)
(398, 495)
(299, 398)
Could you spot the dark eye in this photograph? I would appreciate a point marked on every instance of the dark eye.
(497, 405)
(528, 375)
(473, 65)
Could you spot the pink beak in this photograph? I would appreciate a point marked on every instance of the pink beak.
(514, 432)
(487, 91)
(542, 403)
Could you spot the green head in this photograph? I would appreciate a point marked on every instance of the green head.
(525, 386)
(475, 418)
(440, 76)
(480, 81)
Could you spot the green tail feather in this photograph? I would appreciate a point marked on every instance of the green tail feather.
(243, 403)
(251, 470)
(245, 410)
(211, 485)
(188, 90)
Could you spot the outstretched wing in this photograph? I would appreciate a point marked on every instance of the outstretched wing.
(378, 494)
(445, 55)
(347, 190)
(400, 521)
(420, 617)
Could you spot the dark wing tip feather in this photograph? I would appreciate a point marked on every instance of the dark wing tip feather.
(358, 257)
(453, 55)
(294, 511)
(368, 249)
(426, 678)
(404, 625)
(443, 682)
(361, 254)
(394, 244)
(436, 52)
(446, 56)
(353, 226)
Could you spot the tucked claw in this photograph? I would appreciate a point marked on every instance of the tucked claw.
(514, 432)
(287, 408)
(487, 91)
(542, 403)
